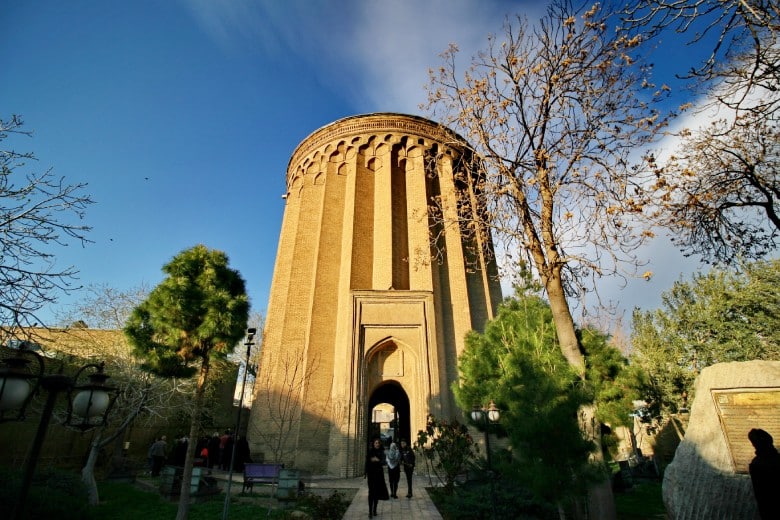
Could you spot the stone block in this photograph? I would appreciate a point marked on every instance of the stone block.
(706, 479)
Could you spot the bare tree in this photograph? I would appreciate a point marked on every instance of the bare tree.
(722, 190)
(37, 211)
(141, 396)
(102, 307)
(719, 191)
(281, 405)
(741, 40)
(553, 111)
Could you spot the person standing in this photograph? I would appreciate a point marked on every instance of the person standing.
(157, 451)
(213, 446)
(149, 458)
(375, 474)
(408, 460)
(393, 469)
(765, 474)
(224, 453)
(242, 453)
(179, 454)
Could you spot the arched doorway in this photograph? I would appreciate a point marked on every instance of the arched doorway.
(393, 419)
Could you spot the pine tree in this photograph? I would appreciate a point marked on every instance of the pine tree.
(199, 311)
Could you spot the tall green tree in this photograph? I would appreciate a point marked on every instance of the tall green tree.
(723, 315)
(615, 383)
(198, 312)
(517, 362)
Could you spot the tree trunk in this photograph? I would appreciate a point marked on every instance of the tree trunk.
(564, 323)
(600, 499)
(98, 442)
(88, 471)
(186, 479)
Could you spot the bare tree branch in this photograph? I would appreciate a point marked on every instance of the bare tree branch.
(37, 212)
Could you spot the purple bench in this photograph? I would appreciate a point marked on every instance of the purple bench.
(260, 473)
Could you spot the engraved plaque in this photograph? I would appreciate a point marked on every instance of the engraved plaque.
(742, 409)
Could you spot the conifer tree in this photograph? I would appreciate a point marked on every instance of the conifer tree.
(199, 311)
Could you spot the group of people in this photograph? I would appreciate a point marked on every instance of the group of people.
(214, 451)
(395, 459)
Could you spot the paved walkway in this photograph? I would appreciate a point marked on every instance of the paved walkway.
(419, 507)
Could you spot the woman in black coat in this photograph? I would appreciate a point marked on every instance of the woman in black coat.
(375, 473)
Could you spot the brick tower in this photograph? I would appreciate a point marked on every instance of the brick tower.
(372, 293)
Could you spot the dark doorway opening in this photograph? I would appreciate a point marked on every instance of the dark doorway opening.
(390, 393)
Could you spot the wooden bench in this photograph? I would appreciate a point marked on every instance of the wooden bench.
(260, 473)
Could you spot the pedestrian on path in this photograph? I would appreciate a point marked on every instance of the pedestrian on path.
(408, 460)
(157, 452)
(393, 469)
(375, 474)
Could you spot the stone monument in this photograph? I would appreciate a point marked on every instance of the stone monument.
(708, 478)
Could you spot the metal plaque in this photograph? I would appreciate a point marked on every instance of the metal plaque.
(742, 409)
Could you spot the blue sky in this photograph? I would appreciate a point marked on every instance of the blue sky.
(182, 115)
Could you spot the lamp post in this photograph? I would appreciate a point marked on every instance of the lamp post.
(250, 335)
(486, 417)
(86, 401)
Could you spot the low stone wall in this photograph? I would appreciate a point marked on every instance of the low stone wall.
(706, 479)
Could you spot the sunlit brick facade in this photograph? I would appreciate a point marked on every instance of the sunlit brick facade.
(371, 295)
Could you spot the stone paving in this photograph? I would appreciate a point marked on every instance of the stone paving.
(420, 506)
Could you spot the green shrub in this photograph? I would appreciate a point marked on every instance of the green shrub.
(321, 508)
(448, 447)
(476, 499)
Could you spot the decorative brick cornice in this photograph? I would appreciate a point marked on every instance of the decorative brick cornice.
(374, 124)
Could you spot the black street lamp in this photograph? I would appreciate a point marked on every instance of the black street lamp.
(88, 403)
(250, 335)
(486, 417)
(18, 382)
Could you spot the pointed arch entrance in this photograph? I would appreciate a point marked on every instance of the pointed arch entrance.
(392, 394)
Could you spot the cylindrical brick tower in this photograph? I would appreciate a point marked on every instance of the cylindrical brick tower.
(375, 286)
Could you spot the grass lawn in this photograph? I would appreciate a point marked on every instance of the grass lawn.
(121, 501)
(641, 502)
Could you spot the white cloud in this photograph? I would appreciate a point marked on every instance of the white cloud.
(375, 53)
(395, 43)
